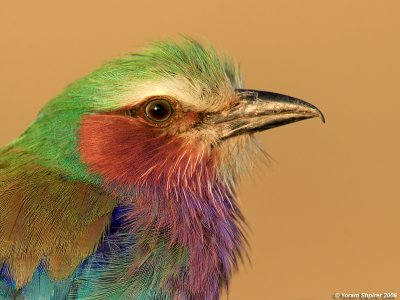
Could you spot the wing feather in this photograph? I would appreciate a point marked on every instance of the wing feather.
(44, 216)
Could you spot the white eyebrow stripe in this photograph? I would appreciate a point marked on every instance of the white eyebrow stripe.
(180, 89)
(188, 94)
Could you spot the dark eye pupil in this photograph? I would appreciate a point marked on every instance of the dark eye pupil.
(159, 110)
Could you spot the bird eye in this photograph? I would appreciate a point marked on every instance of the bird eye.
(158, 110)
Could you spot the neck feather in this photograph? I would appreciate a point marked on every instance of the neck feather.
(206, 224)
(179, 203)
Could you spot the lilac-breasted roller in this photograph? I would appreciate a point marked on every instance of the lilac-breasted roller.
(124, 187)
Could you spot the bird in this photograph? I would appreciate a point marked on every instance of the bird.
(125, 185)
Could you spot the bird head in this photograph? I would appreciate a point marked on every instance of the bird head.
(174, 113)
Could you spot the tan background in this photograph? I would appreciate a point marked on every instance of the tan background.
(325, 214)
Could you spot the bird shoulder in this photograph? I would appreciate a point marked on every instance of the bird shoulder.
(46, 216)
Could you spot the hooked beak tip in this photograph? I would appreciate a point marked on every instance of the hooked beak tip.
(320, 115)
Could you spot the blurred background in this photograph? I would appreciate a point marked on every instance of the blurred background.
(324, 215)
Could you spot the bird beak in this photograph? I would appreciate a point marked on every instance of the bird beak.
(259, 110)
